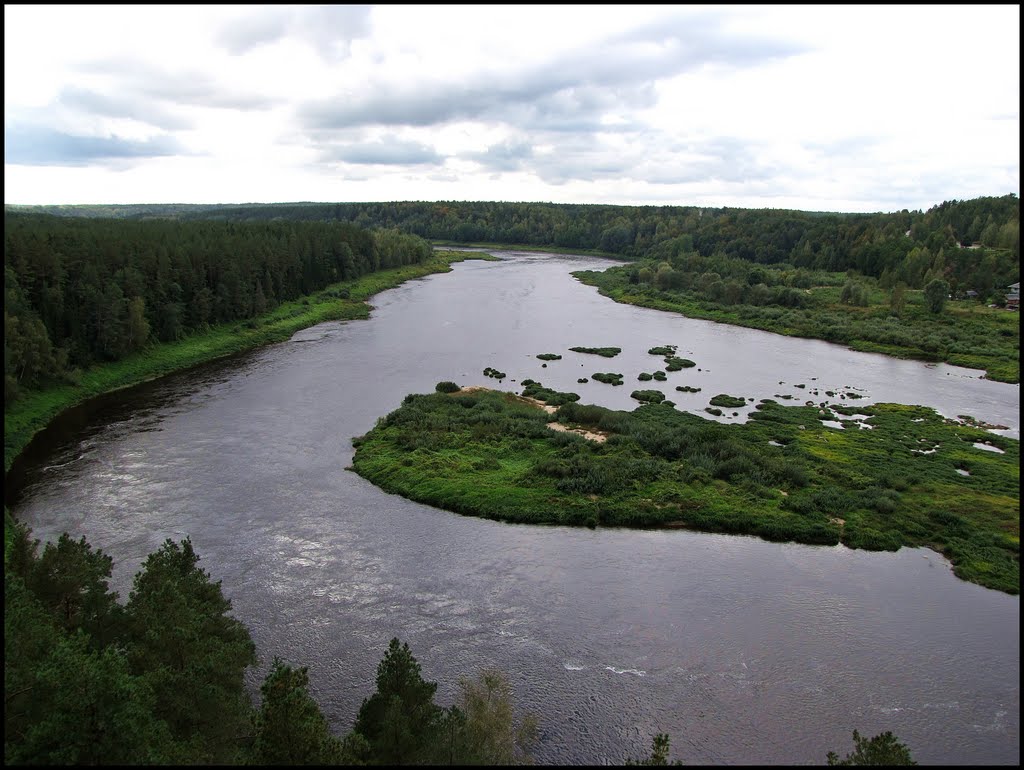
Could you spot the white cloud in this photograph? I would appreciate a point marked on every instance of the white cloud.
(856, 108)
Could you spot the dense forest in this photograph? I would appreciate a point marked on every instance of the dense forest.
(974, 244)
(81, 291)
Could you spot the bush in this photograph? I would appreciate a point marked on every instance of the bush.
(446, 386)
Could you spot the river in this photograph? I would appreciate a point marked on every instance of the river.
(743, 651)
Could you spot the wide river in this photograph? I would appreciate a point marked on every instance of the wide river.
(743, 651)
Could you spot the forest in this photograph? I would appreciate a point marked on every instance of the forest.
(973, 244)
(83, 291)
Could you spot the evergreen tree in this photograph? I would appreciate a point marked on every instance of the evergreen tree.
(935, 294)
(659, 753)
(193, 654)
(400, 720)
(883, 749)
(289, 727)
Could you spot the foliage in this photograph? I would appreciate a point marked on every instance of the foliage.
(659, 753)
(31, 412)
(898, 324)
(723, 399)
(492, 372)
(674, 363)
(648, 396)
(548, 356)
(935, 294)
(178, 631)
(605, 352)
(534, 389)
(487, 731)
(400, 719)
(447, 386)
(609, 378)
(883, 749)
(289, 728)
(490, 454)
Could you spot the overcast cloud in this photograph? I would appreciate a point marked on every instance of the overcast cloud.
(849, 108)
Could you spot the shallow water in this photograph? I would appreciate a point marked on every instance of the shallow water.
(743, 651)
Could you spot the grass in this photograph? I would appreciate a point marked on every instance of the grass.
(965, 334)
(527, 247)
(489, 454)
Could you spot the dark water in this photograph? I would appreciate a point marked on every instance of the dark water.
(743, 651)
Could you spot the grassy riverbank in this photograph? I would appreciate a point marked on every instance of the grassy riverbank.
(965, 333)
(782, 476)
(341, 301)
(527, 247)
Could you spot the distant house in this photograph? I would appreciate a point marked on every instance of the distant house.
(971, 294)
(1013, 296)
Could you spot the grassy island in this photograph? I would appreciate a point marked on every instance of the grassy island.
(913, 479)
(605, 352)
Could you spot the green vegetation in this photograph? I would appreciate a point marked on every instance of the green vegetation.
(853, 273)
(659, 375)
(492, 455)
(159, 680)
(884, 749)
(674, 363)
(864, 315)
(731, 402)
(687, 389)
(660, 746)
(446, 386)
(549, 357)
(665, 350)
(648, 396)
(35, 408)
(535, 390)
(492, 372)
(609, 378)
(606, 352)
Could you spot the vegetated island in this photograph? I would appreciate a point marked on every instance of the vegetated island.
(606, 352)
(914, 479)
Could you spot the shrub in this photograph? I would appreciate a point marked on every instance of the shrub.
(446, 386)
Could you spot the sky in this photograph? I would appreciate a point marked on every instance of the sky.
(855, 108)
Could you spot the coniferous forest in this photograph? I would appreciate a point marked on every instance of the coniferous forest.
(83, 291)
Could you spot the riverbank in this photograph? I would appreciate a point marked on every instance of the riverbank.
(341, 301)
(527, 247)
(965, 334)
(908, 478)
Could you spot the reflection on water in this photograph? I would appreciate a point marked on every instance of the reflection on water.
(743, 651)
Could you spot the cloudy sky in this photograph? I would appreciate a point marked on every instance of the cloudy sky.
(828, 108)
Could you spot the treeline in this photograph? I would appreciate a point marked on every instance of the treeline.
(79, 291)
(906, 244)
(882, 315)
(160, 679)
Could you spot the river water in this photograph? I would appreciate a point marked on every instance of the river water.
(743, 651)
